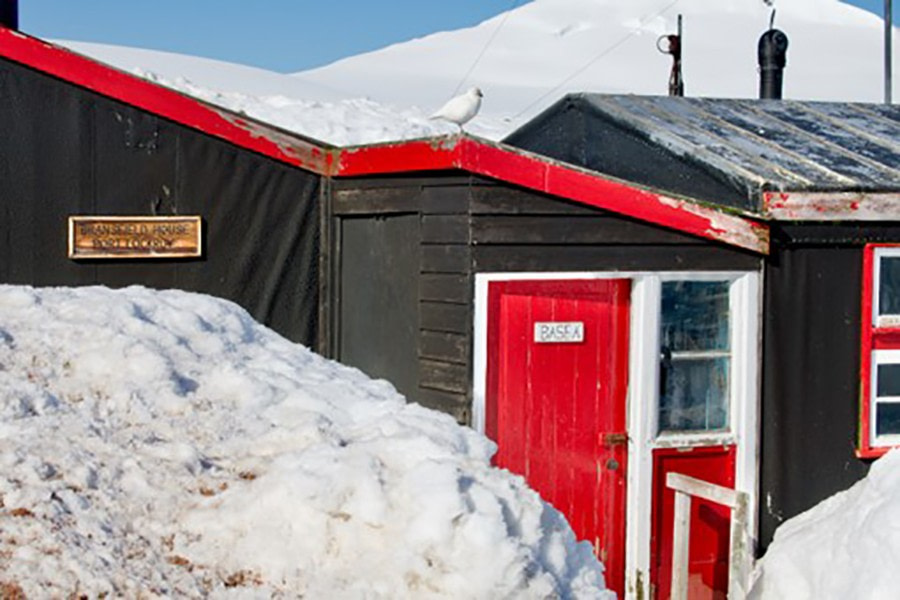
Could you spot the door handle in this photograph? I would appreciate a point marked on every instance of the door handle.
(613, 439)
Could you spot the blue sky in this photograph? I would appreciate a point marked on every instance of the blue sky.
(281, 35)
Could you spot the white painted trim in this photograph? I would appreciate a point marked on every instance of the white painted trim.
(877, 319)
(832, 206)
(643, 386)
(880, 357)
(479, 352)
(746, 301)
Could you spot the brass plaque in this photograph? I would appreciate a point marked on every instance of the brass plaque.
(134, 237)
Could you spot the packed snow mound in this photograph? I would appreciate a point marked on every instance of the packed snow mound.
(848, 546)
(162, 443)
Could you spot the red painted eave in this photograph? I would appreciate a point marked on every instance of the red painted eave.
(432, 154)
(165, 102)
(544, 175)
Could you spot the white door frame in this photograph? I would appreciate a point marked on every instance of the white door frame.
(745, 315)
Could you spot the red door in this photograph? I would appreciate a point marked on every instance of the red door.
(710, 522)
(557, 380)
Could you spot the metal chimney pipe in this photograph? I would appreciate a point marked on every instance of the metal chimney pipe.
(9, 14)
(772, 55)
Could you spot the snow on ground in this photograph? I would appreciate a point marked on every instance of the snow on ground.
(848, 546)
(162, 443)
(540, 51)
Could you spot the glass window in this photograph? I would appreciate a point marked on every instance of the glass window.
(695, 356)
(889, 285)
(887, 393)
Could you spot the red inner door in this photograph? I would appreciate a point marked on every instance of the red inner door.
(710, 522)
(557, 381)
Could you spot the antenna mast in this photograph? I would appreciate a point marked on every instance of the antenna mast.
(673, 47)
(888, 35)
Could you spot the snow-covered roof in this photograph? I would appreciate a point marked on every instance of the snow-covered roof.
(446, 153)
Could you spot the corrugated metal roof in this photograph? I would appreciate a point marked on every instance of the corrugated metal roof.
(770, 144)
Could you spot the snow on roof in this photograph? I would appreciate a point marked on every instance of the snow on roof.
(163, 443)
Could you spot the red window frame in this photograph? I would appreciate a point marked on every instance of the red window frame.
(873, 338)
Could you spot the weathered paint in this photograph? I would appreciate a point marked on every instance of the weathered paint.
(432, 154)
(872, 338)
(832, 206)
(541, 174)
(558, 411)
(165, 102)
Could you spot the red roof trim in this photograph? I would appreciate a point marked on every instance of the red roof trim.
(590, 188)
(465, 153)
(165, 102)
(543, 175)
(434, 154)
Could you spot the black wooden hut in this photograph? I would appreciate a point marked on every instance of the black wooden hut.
(80, 138)
(530, 298)
(641, 286)
(825, 177)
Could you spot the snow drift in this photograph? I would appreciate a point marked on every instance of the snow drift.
(848, 546)
(165, 444)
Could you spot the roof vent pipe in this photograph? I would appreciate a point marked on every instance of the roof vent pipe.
(772, 54)
(9, 14)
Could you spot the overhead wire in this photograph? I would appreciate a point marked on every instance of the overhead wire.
(596, 58)
(486, 46)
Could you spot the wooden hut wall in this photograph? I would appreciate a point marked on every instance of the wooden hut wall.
(67, 151)
(463, 226)
(401, 291)
(811, 368)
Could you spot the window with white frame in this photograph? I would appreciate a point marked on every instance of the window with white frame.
(880, 350)
(695, 356)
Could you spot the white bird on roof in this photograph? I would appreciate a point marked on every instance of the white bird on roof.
(460, 109)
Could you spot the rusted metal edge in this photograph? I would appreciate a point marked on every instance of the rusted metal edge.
(832, 206)
(106, 80)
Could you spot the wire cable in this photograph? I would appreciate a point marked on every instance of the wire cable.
(486, 46)
(596, 58)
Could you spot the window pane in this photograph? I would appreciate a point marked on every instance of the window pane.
(888, 380)
(887, 419)
(694, 315)
(693, 394)
(889, 286)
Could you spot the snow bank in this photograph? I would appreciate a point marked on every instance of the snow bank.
(846, 547)
(165, 444)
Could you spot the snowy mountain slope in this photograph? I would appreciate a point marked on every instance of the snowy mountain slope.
(205, 72)
(835, 53)
(161, 444)
(585, 45)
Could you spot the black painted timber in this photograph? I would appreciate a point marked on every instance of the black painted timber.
(67, 151)
(811, 366)
(469, 225)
